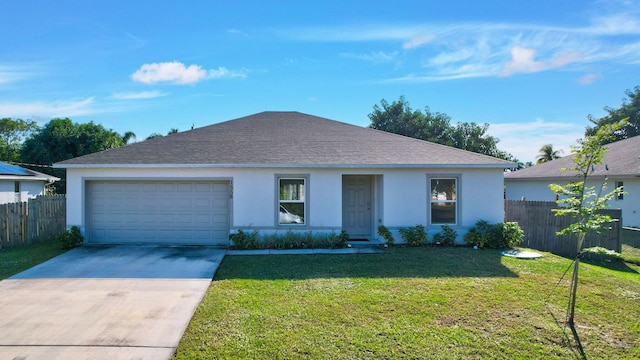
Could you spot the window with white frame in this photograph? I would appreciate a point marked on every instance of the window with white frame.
(291, 200)
(444, 200)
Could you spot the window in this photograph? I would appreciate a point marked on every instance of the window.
(620, 184)
(291, 201)
(16, 190)
(444, 200)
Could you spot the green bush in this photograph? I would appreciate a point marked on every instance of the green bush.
(512, 233)
(494, 236)
(386, 235)
(341, 240)
(414, 236)
(290, 240)
(70, 239)
(446, 237)
(242, 240)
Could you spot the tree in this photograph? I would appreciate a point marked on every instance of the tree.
(398, 118)
(62, 139)
(12, 134)
(127, 136)
(157, 135)
(582, 202)
(547, 153)
(628, 110)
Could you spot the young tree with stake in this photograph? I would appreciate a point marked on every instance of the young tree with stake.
(582, 202)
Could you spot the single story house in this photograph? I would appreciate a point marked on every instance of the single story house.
(18, 184)
(278, 172)
(620, 166)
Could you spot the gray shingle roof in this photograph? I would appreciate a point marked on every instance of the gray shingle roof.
(622, 159)
(289, 139)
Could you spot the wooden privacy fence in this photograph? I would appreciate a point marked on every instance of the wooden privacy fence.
(38, 219)
(540, 226)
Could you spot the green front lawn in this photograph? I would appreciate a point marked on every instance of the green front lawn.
(18, 259)
(412, 303)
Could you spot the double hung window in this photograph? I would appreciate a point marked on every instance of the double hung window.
(444, 200)
(291, 201)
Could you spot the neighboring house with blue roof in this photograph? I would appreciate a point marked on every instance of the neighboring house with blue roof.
(18, 184)
(278, 172)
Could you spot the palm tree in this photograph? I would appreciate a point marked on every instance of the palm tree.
(128, 136)
(547, 154)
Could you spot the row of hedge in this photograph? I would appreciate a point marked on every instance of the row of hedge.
(483, 235)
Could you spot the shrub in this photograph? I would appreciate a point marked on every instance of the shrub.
(70, 239)
(414, 236)
(342, 239)
(386, 235)
(290, 240)
(242, 240)
(512, 233)
(494, 236)
(446, 237)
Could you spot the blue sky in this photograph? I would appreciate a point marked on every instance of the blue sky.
(532, 70)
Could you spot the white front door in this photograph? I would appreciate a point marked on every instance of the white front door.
(356, 206)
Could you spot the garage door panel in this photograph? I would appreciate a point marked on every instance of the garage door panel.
(158, 212)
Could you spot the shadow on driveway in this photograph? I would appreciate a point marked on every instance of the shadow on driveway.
(130, 262)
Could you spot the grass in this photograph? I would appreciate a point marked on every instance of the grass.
(412, 303)
(18, 259)
(631, 254)
(631, 247)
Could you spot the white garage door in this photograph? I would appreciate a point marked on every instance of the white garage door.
(166, 212)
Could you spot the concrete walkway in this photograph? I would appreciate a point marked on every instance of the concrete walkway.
(117, 302)
(368, 249)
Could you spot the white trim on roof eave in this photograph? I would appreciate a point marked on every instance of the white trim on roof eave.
(306, 166)
(29, 178)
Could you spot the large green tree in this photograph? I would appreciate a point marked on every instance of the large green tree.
(399, 118)
(12, 134)
(630, 110)
(62, 139)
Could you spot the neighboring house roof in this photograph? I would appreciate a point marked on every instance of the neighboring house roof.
(284, 139)
(14, 172)
(622, 160)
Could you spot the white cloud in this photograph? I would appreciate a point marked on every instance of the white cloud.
(10, 74)
(49, 110)
(493, 49)
(374, 56)
(418, 41)
(523, 61)
(588, 79)
(139, 95)
(224, 73)
(524, 140)
(173, 71)
(615, 24)
(177, 73)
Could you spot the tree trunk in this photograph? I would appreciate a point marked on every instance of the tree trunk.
(574, 291)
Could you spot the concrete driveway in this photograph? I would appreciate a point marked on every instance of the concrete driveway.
(116, 302)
